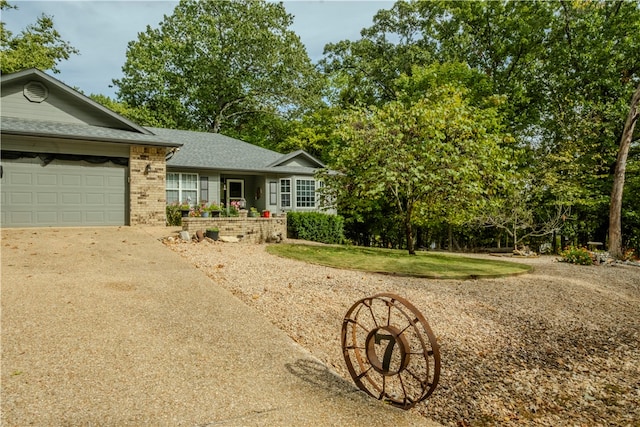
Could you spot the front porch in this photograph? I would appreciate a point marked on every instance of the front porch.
(247, 229)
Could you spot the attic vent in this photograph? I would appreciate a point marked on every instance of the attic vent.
(35, 92)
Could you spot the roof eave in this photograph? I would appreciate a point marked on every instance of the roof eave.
(91, 138)
(297, 153)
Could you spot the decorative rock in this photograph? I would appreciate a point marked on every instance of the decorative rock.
(200, 235)
(184, 235)
(275, 238)
(229, 239)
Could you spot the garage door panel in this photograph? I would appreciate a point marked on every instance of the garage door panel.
(46, 218)
(95, 199)
(112, 182)
(72, 198)
(46, 198)
(94, 217)
(113, 217)
(20, 216)
(72, 217)
(47, 180)
(94, 181)
(20, 178)
(21, 198)
(68, 193)
(74, 180)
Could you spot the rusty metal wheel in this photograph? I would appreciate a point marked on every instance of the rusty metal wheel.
(390, 350)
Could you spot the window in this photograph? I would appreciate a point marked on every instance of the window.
(204, 188)
(285, 193)
(273, 193)
(182, 188)
(305, 193)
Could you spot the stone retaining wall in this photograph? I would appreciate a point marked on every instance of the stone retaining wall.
(252, 230)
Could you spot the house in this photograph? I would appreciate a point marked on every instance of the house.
(68, 161)
(221, 170)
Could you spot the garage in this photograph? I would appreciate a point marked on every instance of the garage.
(67, 161)
(38, 193)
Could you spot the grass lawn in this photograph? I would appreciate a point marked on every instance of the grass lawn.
(389, 261)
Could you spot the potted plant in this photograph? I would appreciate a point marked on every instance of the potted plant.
(214, 210)
(203, 209)
(236, 208)
(185, 209)
(213, 233)
(253, 212)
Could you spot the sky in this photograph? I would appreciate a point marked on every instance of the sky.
(100, 30)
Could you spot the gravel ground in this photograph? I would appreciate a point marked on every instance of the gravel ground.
(557, 347)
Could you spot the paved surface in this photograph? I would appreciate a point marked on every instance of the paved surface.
(108, 327)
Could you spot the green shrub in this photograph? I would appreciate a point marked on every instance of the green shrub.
(174, 214)
(315, 226)
(575, 255)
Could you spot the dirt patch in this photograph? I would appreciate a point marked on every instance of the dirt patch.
(556, 347)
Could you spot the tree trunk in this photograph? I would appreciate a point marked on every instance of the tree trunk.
(216, 125)
(411, 247)
(615, 209)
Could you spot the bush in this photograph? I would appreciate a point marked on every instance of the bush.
(315, 226)
(575, 255)
(174, 214)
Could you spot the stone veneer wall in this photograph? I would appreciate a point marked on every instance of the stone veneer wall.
(252, 230)
(147, 192)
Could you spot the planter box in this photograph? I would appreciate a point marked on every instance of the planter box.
(249, 230)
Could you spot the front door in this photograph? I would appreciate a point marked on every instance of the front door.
(235, 192)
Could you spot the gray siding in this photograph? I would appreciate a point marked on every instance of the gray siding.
(59, 107)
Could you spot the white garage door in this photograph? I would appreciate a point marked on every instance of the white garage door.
(62, 193)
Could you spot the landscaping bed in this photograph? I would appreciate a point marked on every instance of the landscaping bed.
(559, 346)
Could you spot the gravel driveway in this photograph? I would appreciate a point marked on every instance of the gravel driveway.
(557, 347)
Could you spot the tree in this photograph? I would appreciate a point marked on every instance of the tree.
(138, 115)
(615, 213)
(514, 213)
(37, 46)
(211, 64)
(314, 133)
(428, 157)
(567, 69)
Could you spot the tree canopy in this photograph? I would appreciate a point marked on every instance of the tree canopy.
(220, 66)
(39, 45)
(429, 156)
(566, 69)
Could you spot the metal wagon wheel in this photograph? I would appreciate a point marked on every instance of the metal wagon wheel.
(390, 350)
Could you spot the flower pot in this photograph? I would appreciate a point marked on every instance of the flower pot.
(184, 212)
(266, 214)
(205, 214)
(215, 214)
(213, 234)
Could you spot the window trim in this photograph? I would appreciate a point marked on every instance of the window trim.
(282, 193)
(180, 188)
(300, 192)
